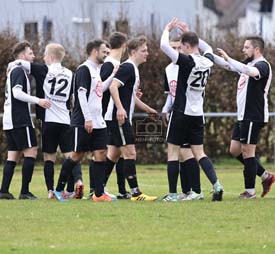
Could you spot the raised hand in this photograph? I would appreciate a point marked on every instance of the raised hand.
(172, 24)
(223, 54)
(183, 27)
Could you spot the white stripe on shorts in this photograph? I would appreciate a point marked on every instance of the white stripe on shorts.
(168, 127)
(75, 138)
(249, 132)
(28, 137)
(122, 136)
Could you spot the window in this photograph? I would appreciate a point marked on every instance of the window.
(122, 25)
(31, 31)
(47, 30)
(106, 28)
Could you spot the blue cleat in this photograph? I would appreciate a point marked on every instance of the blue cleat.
(58, 195)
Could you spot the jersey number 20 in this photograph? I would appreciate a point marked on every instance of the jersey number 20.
(201, 79)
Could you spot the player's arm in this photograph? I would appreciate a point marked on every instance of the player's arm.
(224, 64)
(121, 113)
(164, 42)
(240, 67)
(83, 81)
(144, 107)
(17, 79)
(31, 68)
(168, 104)
(106, 84)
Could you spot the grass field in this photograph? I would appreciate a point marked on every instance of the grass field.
(81, 226)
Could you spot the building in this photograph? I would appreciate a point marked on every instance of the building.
(75, 22)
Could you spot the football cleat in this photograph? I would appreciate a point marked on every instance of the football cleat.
(51, 194)
(60, 196)
(217, 191)
(171, 197)
(6, 195)
(28, 195)
(127, 195)
(247, 195)
(193, 196)
(79, 191)
(113, 197)
(143, 197)
(267, 183)
(103, 198)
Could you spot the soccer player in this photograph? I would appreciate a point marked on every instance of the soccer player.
(18, 125)
(120, 110)
(188, 166)
(187, 121)
(252, 107)
(118, 47)
(88, 125)
(53, 82)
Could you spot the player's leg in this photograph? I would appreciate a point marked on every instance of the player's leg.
(249, 134)
(98, 146)
(49, 160)
(175, 138)
(122, 192)
(196, 132)
(235, 149)
(185, 171)
(8, 171)
(190, 170)
(80, 144)
(29, 150)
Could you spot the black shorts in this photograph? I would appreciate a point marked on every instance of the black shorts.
(120, 135)
(247, 132)
(186, 145)
(54, 135)
(20, 139)
(82, 141)
(184, 129)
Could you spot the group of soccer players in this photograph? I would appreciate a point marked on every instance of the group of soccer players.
(103, 93)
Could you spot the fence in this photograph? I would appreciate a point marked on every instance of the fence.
(162, 139)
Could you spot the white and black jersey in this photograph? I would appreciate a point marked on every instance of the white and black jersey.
(193, 73)
(53, 83)
(252, 102)
(87, 78)
(171, 79)
(105, 71)
(128, 76)
(16, 112)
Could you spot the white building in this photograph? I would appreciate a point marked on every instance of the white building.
(259, 20)
(74, 22)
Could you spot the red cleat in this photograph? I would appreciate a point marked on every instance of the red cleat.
(267, 183)
(79, 191)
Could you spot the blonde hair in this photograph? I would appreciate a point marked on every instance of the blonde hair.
(56, 50)
(136, 43)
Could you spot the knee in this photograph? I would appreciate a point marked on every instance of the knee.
(234, 152)
(100, 155)
(130, 155)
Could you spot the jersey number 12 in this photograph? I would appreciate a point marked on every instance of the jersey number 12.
(63, 82)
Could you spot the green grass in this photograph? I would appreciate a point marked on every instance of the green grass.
(80, 226)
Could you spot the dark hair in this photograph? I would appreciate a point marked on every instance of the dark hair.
(256, 41)
(135, 43)
(117, 39)
(19, 48)
(95, 44)
(191, 38)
